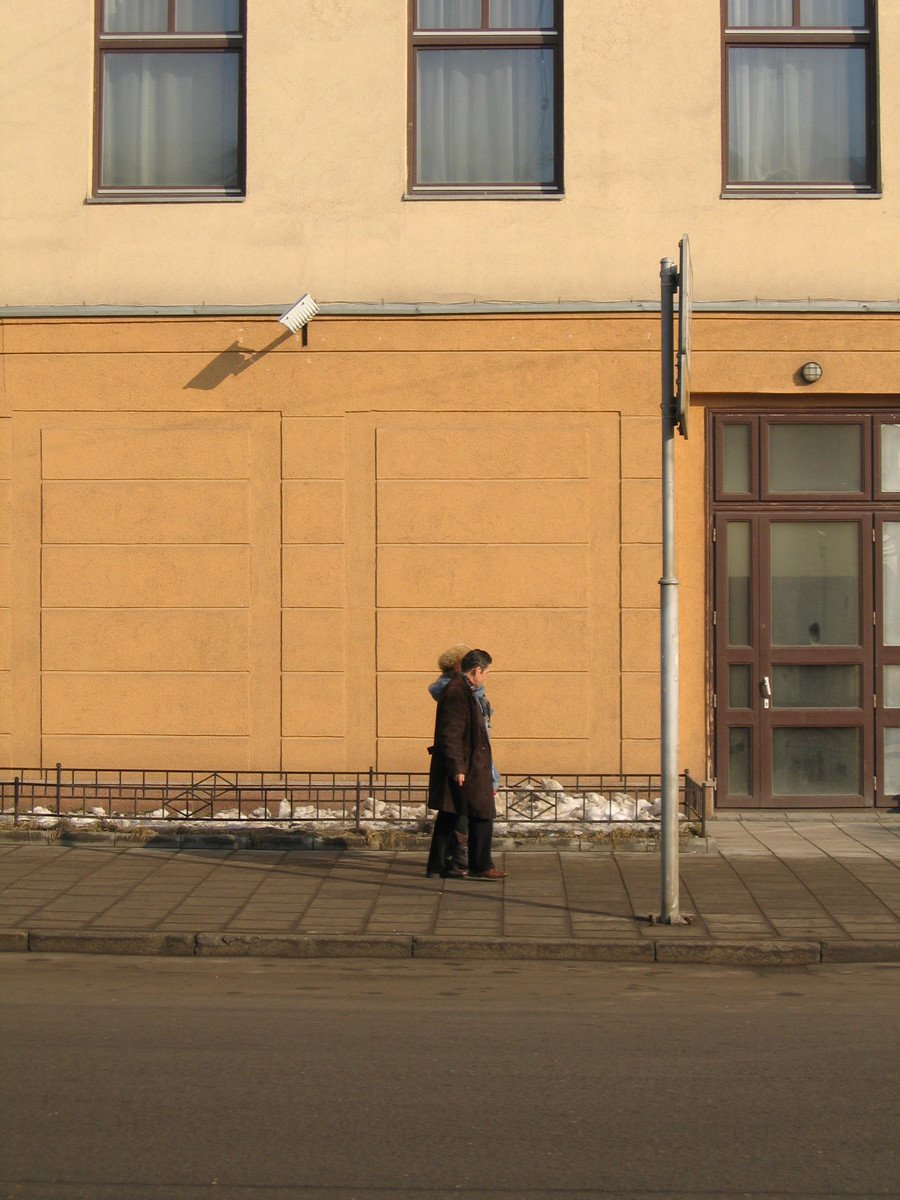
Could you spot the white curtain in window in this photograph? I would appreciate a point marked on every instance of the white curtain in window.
(797, 115)
(485, 116)
(521, 14)
(170, 120)
(832, 14)
(136, 16)
(760, 13)
(449, 14)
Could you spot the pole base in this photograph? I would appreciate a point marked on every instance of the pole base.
(675, 919)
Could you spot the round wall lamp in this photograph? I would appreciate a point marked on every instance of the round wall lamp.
(811, 372)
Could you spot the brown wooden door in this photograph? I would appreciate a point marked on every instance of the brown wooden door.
(795, 656)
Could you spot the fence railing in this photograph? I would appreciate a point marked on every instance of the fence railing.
(345, 797)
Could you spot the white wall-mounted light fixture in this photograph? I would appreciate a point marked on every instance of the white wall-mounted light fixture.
(811, 372)
(299, 314)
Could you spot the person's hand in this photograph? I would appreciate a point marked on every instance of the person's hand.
(460, 780)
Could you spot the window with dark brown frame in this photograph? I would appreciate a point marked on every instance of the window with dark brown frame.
(799, 97)
(485, 102)
(169, 99)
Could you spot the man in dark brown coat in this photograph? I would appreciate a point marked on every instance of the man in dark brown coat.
(460, 782)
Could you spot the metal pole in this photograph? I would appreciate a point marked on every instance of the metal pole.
(668, 610)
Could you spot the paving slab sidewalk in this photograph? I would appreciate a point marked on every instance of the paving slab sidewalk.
(776, 889)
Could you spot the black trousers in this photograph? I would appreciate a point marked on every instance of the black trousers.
(459, 842)
(443, 843)
(481, 835)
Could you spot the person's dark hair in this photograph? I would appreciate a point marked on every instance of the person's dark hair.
(475, 658)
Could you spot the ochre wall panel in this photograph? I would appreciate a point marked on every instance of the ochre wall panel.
(559, 452)
(145, 640)
(183, 450)
(521, 639)
(640, 639)
(312, 639)
(5, 702)
(641, 756)
(149, 753)
(468, 513)
(136, 512)
(641, 571)
(641, 447)
(641, 511)
(135, 704)
(146, 577)
(4, 639)
(5, 500)
(313, 576)
(501, 576)
(313, 705)
(315, 754)
(313, 511)
(313, 448)
(640, 705)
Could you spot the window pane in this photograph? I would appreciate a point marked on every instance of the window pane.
(207, 16)
(816, 762)
(770, 14)
(890, 565)
(890, 458)
(815, 458)
(739, 606)
(521, 14)
(892, 762)
(833, 14)
(739, 686)
(170, 120)
(815, 687)
(739, 762)
(485, 116)
(892, 687)
(815, 583)
(136, 16)
(736, 470)
(797, 114)
(449, 14)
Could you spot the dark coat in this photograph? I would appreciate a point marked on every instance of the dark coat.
(461, 747)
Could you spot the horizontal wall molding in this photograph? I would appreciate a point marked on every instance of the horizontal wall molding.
(500, 308)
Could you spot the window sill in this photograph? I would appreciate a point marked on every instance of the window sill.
(484, 194)
(166, 198)
(813, 193)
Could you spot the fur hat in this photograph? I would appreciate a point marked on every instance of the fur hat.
(450, 659)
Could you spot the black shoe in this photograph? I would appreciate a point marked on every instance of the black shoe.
(432, 874)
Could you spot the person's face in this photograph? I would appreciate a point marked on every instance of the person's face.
(478, 675)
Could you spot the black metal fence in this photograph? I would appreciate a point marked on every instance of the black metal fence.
(346, 797)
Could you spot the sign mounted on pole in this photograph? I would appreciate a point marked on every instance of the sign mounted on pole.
(685, 301)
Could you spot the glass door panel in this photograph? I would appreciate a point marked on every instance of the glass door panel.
(816, 762)
(814, 572)
(815, 459)
(796, 686)
(739, 594)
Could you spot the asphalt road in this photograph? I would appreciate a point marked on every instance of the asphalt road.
(242, 1080)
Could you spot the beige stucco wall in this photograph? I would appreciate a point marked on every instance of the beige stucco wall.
(326, 119)
(225, 548)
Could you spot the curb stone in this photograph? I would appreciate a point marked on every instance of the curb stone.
(861, 951)
(532, 949)
(82, 941)
(749, 954)
(13, 941)
(303, 945)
